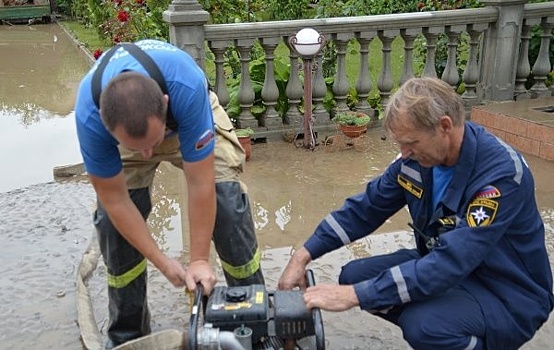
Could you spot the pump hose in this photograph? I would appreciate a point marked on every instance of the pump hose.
(90, 335)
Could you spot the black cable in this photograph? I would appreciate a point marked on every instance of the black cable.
(430, 242)
(194, 316)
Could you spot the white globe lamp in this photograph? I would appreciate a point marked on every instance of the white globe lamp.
(307, 42)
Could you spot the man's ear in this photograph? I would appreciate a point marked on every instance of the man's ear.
(166, 97)
(445, 123)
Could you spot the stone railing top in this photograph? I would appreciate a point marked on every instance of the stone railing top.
(539, 10)
(219, 32)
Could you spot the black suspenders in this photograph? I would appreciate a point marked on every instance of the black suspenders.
(146, 61)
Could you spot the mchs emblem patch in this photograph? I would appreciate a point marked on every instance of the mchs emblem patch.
(481, 212)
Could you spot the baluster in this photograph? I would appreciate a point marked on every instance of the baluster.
(364, 84)
(319, 90)
(246, 92)
(450, 74)
(220, 88)
(542, 65)
(294, 90)
(270, 91)
(471, 73)
(385, 81)
(431, 35)
(409, 36)
(523, 66)
(341, 86)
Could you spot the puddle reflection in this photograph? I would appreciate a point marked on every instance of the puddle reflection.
(40, 69)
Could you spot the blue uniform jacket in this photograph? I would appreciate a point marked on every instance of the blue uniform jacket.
(490, 231)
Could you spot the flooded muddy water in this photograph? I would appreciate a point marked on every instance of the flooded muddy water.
(40, 68)
(45, 226)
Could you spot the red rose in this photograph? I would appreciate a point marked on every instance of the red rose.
(97, 53)
(123, 16)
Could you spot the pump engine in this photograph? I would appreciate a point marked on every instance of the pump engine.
(251, 317)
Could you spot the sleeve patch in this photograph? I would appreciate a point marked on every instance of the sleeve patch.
(204, 140)
(488, 192)
(409, 186)
(481, 212)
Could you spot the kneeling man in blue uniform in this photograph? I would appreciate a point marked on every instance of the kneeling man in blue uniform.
(479, 277)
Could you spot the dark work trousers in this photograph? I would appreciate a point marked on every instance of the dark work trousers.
(453, 320)
(234, 237)
(129, 317)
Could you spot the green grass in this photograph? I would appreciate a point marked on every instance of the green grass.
(86, 35)
(375, 61)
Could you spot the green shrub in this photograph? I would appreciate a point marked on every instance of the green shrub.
(246, 132)
(352, 118)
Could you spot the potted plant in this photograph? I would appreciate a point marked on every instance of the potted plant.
(352, 123)
(245, 139)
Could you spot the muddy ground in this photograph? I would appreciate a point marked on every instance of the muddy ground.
(45, 229)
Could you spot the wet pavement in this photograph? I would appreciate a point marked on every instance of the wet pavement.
(46, 226)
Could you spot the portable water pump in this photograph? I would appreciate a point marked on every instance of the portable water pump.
(250, 317)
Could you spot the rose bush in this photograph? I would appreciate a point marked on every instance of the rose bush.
(128, 20)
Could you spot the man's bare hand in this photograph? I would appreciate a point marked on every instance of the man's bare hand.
(331, 297)
(200, 271)
(294, 274)
(174, 271)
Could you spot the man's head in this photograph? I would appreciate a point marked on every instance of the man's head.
(426, 117)
(133, 108)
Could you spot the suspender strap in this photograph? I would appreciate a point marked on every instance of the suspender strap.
(96, 83)
(149, 65)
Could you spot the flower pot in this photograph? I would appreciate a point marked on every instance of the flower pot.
(246, 144)
(353, 131)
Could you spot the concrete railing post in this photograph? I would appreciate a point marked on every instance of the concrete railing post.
(186, 20)
(500, 51)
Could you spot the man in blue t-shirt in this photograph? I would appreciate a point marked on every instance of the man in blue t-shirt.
(137, 126)
(479, 277)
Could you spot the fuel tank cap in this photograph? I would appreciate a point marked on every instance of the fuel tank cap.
(236, 294)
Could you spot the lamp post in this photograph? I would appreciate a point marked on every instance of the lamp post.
(307, 43)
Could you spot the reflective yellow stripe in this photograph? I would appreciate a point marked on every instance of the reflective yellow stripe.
(128, 277)
(244, 271)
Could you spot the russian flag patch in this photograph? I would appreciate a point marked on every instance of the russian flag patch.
(204, 140)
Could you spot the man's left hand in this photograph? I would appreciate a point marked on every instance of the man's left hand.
(200, 271)
(331, 297)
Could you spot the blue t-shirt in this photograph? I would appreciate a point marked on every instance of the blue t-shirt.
(441, 179)
(189, 101)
